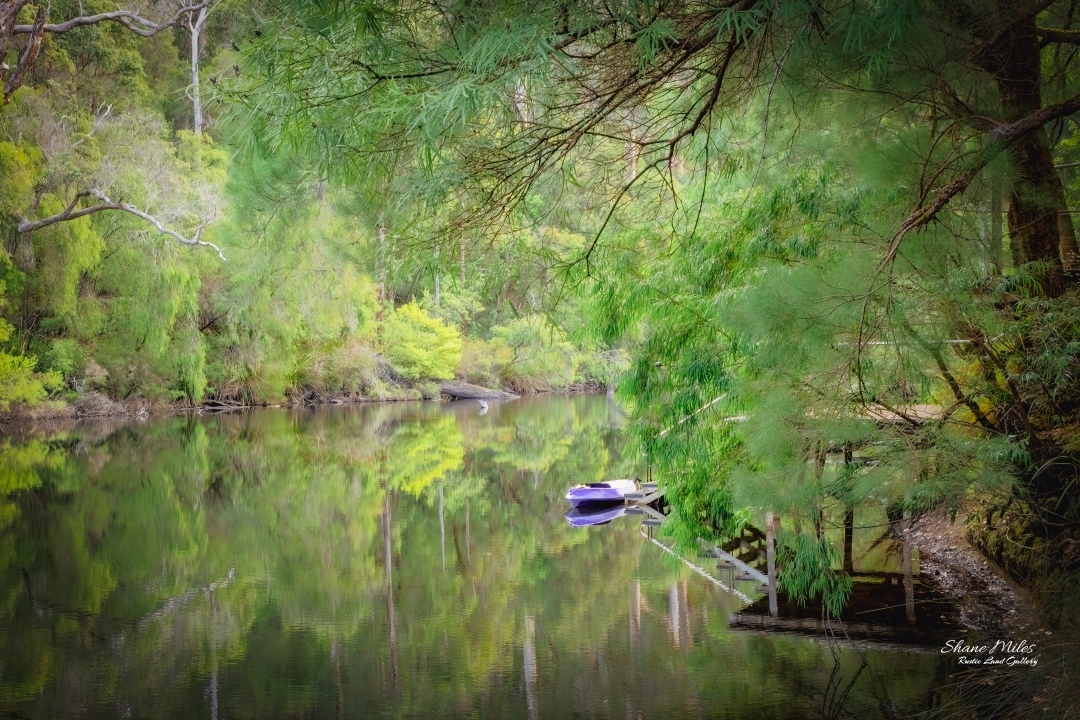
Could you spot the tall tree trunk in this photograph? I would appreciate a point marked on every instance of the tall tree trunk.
(633, 145)
(437, 283)
(770, 560)
(461, 269)
(195, 26)
(9, 12)
(1038, 228)
(380, 268)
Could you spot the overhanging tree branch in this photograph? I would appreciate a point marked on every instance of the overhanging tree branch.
(26, 58)
(132, 21)
(70, 213)
(997, 140)
(1049, 36)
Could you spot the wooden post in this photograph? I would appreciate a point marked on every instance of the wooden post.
(819, 470)
(909, 580)
(770, 560)
(849, 515)
(849, 533)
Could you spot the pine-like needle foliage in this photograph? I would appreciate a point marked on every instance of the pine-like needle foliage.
(794, 212)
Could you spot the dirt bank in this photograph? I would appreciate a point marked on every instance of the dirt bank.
(995, 608)
(990, 602)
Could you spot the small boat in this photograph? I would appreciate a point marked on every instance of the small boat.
(594, 514)
(605, 492)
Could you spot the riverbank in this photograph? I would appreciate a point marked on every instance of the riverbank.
(94, 405)
(995, 607)
(990, 601)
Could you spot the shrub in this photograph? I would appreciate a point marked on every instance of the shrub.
(350, 369)
(538, 357)
(604, 367)
(18, 381)
(458, 307)
(482, 363)
(421, 346)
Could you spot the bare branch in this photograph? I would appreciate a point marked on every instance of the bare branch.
(29, 55)
(132, 21)
(70, 213)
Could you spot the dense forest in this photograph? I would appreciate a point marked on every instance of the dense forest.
(825, 250)
(152, 256)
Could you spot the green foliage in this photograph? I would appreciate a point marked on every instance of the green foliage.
(351, 369)
(710, 242)
(458, 307)
(66, 357)
(19, 170)
(64, 253)
(606, 366)
(18, 381)
(421, 346)
(806, 571)
(537, 355)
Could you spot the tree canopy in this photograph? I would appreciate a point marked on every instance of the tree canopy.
(824, 249)
(840, 227)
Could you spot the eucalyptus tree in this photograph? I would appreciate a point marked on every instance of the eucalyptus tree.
(46, 24)
(86, 190)
(807, 231)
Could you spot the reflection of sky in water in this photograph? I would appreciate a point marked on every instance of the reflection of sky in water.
(380, 561)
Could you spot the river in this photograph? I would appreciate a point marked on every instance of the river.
(386, 561)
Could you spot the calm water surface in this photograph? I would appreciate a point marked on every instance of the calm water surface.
(394, 561)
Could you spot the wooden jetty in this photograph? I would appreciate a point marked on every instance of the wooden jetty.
(881, 610)
(649, 493)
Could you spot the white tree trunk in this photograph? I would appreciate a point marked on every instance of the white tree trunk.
(437, 284)
(195, 26)
(380, 266)
(462, 268)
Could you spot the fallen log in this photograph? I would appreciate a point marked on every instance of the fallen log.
(222, 404)
(465, 391)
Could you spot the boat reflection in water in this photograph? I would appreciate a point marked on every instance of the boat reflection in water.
(594, 513)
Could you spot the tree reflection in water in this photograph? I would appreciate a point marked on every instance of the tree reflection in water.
(379, 561)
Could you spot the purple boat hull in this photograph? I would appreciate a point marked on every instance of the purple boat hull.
(606, 492)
